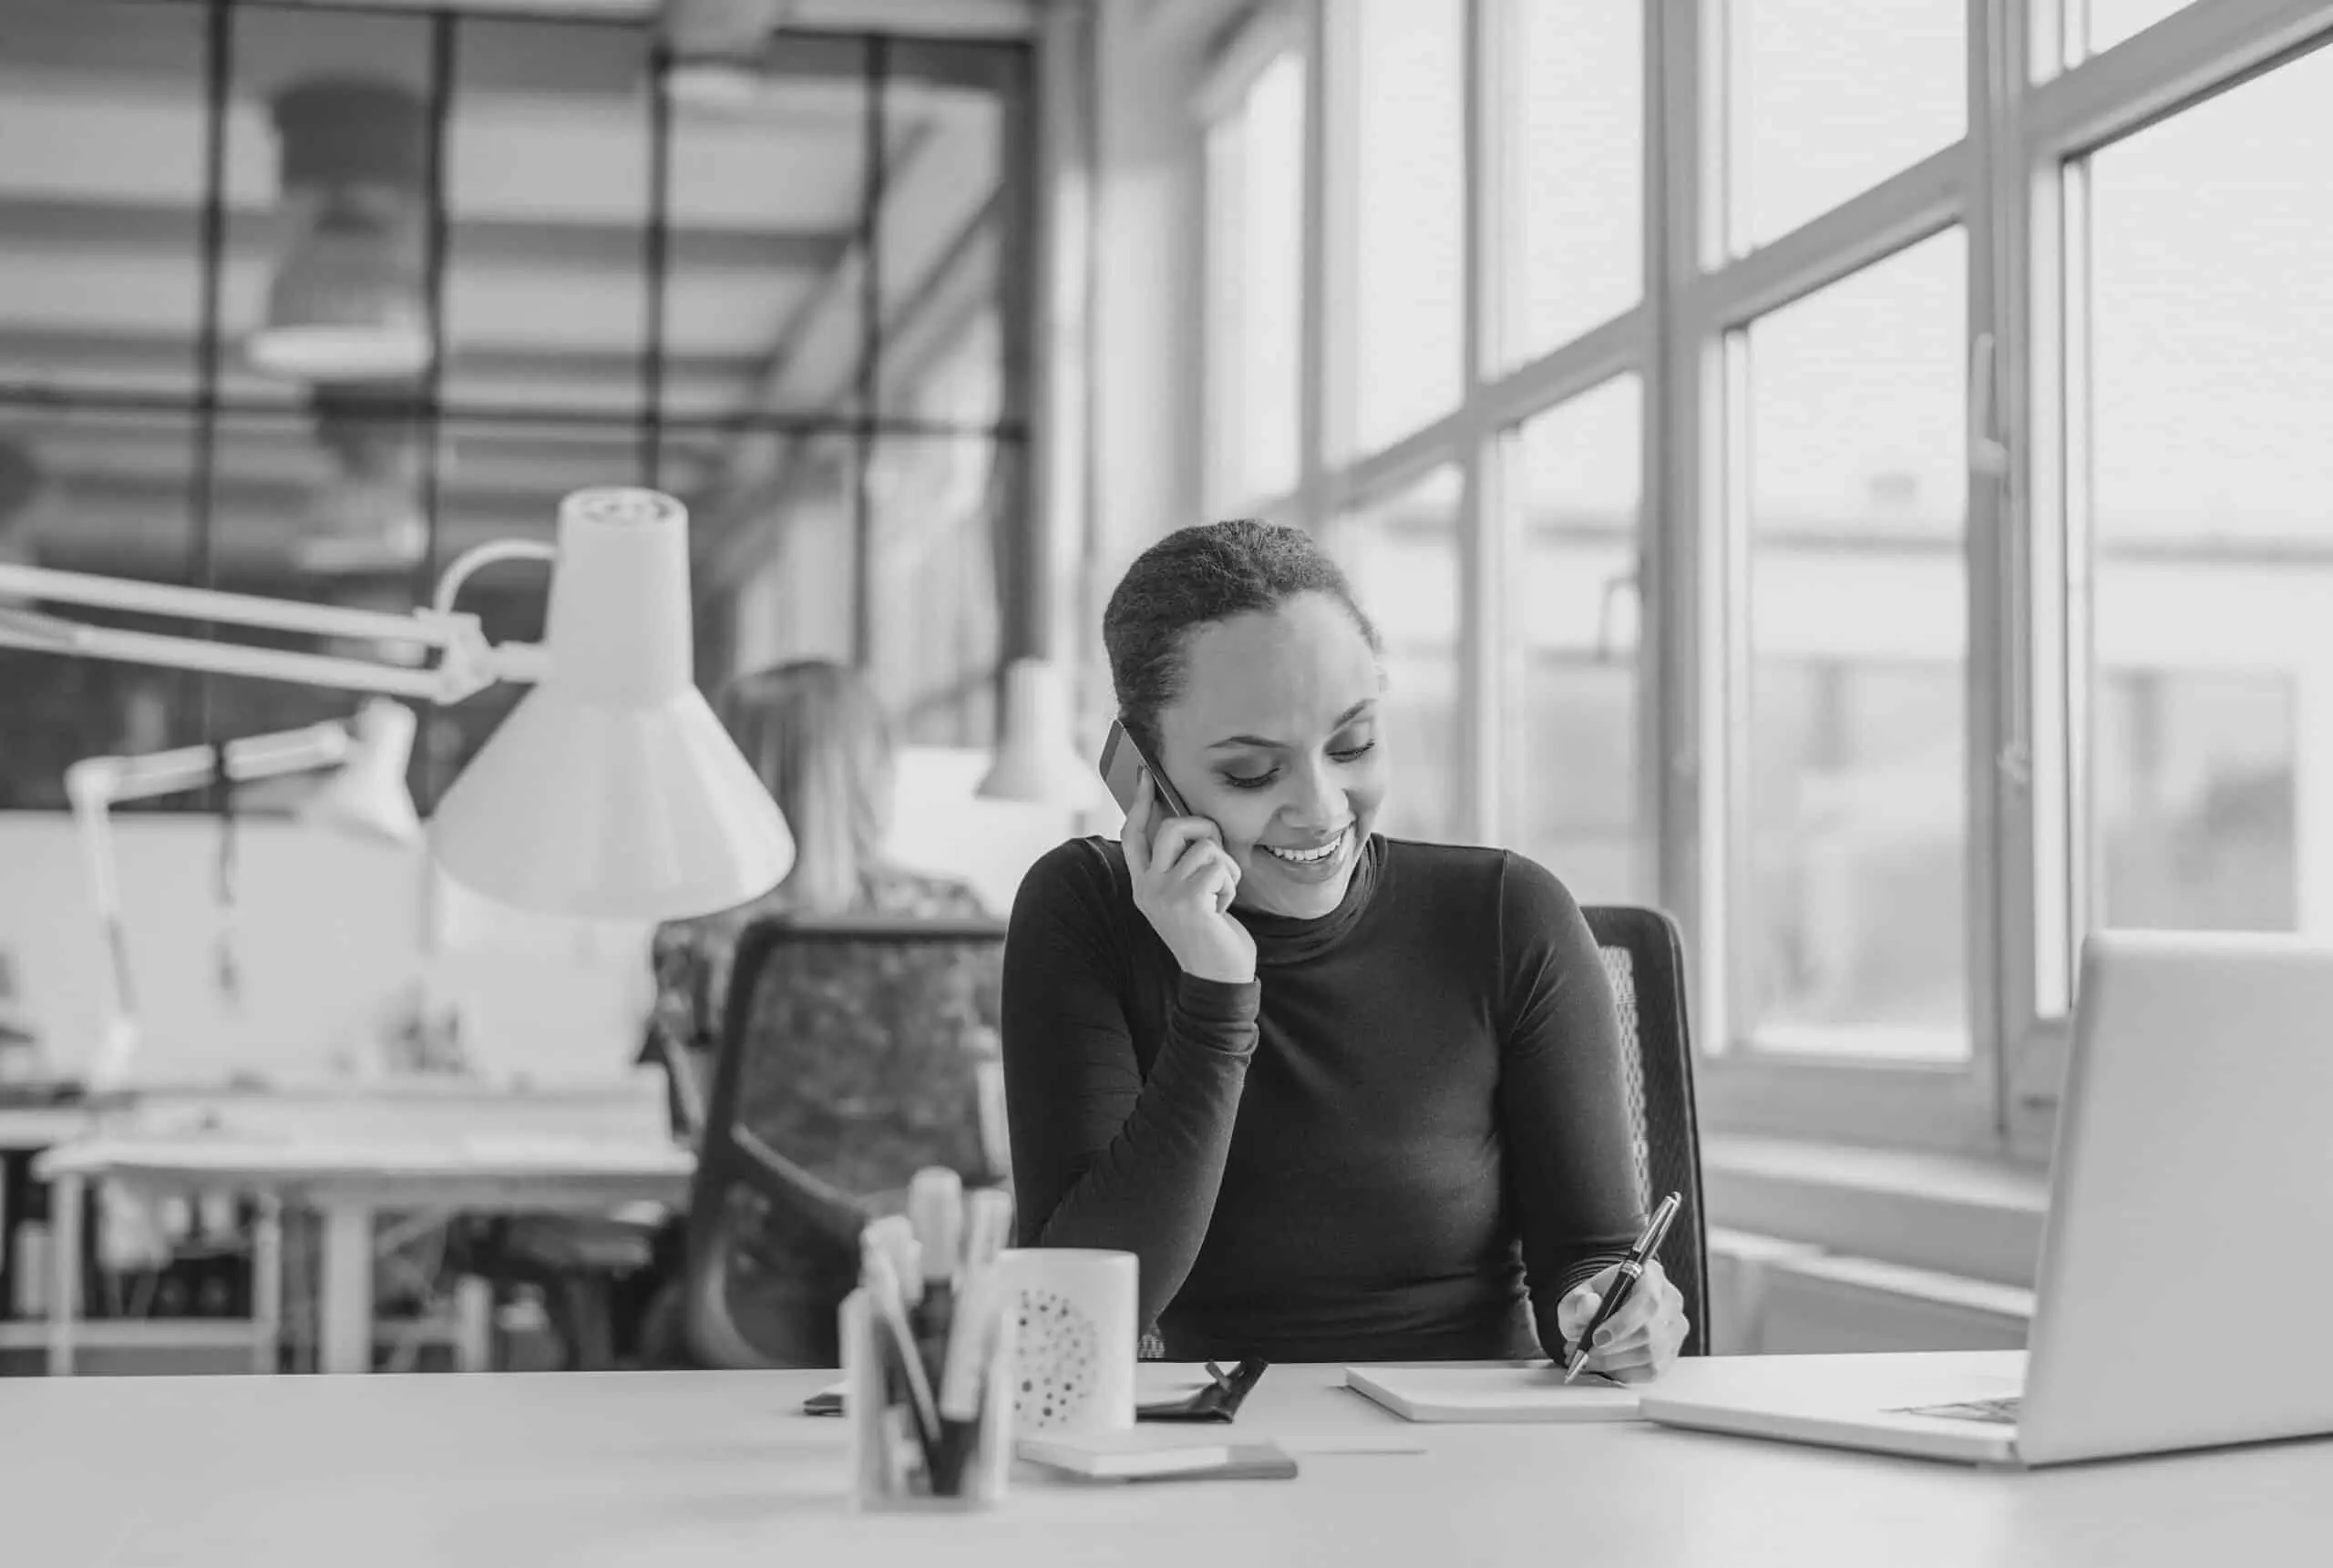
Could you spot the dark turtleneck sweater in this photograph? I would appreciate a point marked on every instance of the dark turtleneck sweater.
(1405, 1139)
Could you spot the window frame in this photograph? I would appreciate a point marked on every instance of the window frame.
(1239, 59)
(2006, 182)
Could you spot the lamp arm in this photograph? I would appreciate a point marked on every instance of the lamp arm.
(94, 785)
(468, 664)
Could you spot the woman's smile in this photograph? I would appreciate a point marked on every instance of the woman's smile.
(1319, 861)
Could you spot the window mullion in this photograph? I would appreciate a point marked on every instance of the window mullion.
(1683, 107)
(1998, 936)
(1314, 350)
(1482, 621)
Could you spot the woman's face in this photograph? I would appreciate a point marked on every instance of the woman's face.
(1275, 737)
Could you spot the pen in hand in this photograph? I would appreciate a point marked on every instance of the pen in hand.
(1624, 1282)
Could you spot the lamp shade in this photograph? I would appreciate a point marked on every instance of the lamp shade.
(348, 305)
(611, 790)
(367, 798)
(1034, 759)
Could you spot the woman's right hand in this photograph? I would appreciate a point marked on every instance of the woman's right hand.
(1183, 880)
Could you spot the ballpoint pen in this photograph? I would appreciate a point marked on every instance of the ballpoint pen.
(1624, 1282)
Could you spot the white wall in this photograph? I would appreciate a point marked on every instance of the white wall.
(324, 928)
(328, 938)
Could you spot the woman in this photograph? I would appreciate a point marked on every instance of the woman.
(1348, 1098)
(827, 1079)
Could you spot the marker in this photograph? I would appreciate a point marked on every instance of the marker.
(973, 1333)
(936, 1214)
(896, 1238)
(883, 1292)
(988, 1225)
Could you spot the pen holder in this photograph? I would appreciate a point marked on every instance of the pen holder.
(894, 1466)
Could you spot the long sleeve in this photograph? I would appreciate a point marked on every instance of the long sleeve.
(1563, 1095)
(1103, 1155)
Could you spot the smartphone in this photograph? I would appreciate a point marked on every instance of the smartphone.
(1123, 764)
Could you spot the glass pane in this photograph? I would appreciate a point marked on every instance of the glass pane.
(328, 121)
(1574, 91)
(936, 506)
(1255, 305)
(103, 493)
(1404, 183)
(2112, 21)
(1576, 801)
(101, 190)
(1402, 554)
(1829, 100)
(2194, 800)
(793, 598)
(1852, 925)
(547, 198)
(952, 184)
(2208, 473)
(767, 209)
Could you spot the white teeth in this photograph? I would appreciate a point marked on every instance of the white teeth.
(1310, 856)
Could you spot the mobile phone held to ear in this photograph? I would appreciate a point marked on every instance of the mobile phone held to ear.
(1122, 764)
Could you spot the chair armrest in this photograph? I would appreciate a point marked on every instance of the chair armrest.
(833, 1212)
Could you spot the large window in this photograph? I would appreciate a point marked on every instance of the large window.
(1402, 554)
(1854, 805)
(1573, 71)
(1873, 497)
(1255, 245)
(303, 301)
(1828, 100)
(2209, 516)
(1400, 199)
(1575, 795)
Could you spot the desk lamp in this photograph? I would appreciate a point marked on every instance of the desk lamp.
(366, 797)
(611, 790)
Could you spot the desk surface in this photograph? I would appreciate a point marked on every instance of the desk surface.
(676, 1469)
(592, 1170)
(30, 1127)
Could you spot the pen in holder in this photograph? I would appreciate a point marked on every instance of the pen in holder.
(928, 1360)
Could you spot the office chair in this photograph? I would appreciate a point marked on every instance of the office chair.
(1644, 957)
(853, 1051)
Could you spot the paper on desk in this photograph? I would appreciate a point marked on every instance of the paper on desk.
(1492, 1394)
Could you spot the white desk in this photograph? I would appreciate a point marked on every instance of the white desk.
(25, 1131)
(346, 1182)
(680, 1469)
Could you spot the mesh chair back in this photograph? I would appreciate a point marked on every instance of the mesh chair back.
(853, 1052)
(1645, 958)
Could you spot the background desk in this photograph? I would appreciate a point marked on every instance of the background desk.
(25, 1132)
(680, 1469)
(346, 1185)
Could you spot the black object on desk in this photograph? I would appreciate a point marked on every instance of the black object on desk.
(1219, 1401)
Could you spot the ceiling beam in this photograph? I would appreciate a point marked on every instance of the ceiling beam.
(68, 223)
(924, 19)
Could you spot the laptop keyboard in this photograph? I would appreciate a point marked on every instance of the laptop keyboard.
(2000, 1412)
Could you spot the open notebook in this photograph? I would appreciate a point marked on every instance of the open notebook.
(1492, 1394)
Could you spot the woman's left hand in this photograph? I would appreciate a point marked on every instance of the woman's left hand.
(1641, 1339)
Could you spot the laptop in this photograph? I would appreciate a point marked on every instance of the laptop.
(2187, 1259)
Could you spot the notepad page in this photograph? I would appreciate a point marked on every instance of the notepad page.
(1492, 1394)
